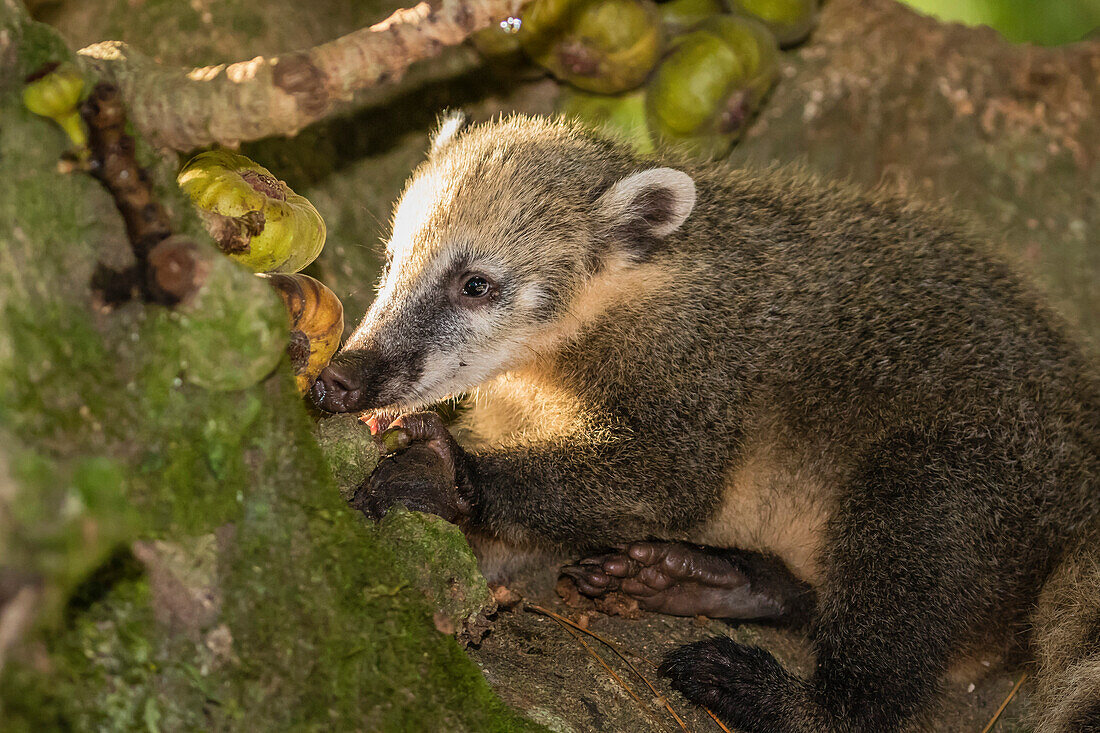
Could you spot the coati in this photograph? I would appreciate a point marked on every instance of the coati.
(778, 399)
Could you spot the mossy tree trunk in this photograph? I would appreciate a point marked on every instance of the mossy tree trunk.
(174, 553)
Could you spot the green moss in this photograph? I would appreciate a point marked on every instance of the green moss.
(57, 381)
(170, 18)
(452, 581)
(248, 23)
(322, 623)
(38, 45)
(311, 630)
(234, 333)
(68, 518)
(111, 672)
(349, 450)
(196, 34)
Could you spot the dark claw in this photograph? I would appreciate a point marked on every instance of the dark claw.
(423, 469)
(416, 478)
(377, 507)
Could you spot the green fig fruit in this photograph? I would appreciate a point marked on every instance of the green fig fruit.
(678, 16)
(55, 91)
(790, 20)
(603, 46)
(500, 41)
(394, 440)
(705, 91)
(253, 216)
(622, 116)
(756, 48)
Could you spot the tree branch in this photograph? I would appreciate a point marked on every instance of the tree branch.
(248, 100)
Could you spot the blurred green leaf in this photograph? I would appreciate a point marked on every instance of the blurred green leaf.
(1046, 22)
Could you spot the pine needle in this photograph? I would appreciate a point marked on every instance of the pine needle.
(1012, 693)
(651, 663)
(716, 720)
(610, 671)
(569, 624)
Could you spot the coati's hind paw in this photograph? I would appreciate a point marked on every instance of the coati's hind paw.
(681, 580)
(743, 685)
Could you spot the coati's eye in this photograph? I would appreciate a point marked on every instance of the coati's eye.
(477, 287)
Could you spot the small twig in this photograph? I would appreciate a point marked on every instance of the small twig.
(169, 268)
(114, 164)
(605, 665)
(1012, 693)
(707, 710)
(619, 654)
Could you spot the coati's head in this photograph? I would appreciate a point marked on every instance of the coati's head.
(496, 234)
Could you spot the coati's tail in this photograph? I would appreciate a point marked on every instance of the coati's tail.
(1067, 645)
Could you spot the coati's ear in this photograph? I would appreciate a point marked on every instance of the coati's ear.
(645, 207)
(451, 123)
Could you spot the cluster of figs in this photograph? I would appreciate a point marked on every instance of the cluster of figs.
(682, 73)
(255, 218)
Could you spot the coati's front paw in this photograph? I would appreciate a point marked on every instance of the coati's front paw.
(418, 427)
(677, 579)
(422, 473)
(743, 685)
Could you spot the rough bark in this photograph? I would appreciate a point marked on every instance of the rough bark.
(1005, 134)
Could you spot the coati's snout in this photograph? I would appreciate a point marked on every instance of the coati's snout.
(349, 382)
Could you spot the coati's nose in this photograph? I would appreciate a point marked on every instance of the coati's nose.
(337, 388)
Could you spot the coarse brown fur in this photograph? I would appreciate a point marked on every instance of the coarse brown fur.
(853, 384)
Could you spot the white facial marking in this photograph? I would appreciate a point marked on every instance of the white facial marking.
(426, 193)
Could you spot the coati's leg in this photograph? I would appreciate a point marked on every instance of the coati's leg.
(1067, 645)
(902, 589)
(550, 493)
(688, 580)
